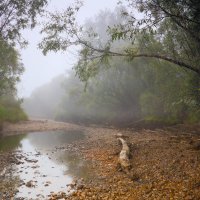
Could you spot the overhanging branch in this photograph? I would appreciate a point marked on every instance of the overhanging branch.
(157, 56)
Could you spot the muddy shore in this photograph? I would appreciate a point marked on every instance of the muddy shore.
(165, 163)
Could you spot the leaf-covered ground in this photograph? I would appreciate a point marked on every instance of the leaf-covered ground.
(165, 165)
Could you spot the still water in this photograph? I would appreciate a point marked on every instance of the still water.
(46, 165)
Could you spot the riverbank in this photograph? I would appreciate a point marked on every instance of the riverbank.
(35, 125)
(165, 163)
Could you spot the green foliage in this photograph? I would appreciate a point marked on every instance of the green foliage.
(16, 16)
(150, 104)
(173, 24)
(10, 110)
(10, 71)
(10, 142)
(194, 116)
(10, 68)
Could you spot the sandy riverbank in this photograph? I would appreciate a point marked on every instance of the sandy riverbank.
(36, 125)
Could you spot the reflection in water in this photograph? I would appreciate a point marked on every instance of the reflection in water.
(74, 166)
(10, 142)
(40, 171)
(52, 139)
(44, 168)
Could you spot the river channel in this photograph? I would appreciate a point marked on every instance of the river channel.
(45, 164)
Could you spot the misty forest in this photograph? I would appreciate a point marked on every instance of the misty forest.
(123, 122)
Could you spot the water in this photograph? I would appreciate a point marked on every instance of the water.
(45, 163)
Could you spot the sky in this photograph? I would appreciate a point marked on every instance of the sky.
(40, 69)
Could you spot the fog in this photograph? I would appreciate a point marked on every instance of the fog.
(40, 69)
(119, 93)
(44, 100)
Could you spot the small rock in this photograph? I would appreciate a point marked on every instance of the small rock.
(29, 184)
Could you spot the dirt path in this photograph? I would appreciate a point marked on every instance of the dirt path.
(165, 162)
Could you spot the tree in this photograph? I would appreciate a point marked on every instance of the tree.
(174, 24)
(14, 16)
(10, 68)
(18, 15)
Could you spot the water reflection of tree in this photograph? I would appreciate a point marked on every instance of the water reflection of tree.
(10, 143)
(9, 181)
(50, 139)
(76, 165)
